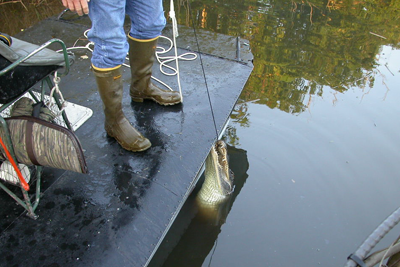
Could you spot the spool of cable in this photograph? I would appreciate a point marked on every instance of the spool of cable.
(5, 38)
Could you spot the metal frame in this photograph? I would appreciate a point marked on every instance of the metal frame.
(26, 202)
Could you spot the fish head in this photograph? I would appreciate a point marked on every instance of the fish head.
(225, 175)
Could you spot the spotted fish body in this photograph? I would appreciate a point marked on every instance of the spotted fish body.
(218, 182)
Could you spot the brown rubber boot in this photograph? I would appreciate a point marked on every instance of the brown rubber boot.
(141, 58)
(109, 83)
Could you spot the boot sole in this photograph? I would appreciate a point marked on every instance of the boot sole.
(133, 150)
(126, 147)
(140, 100)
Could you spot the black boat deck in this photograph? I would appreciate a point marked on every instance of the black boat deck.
(118, 214)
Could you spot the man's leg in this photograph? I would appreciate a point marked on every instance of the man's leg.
(148, 21)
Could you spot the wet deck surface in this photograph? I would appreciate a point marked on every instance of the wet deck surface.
(118, 214)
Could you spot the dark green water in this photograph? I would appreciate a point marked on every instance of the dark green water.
(314, 140)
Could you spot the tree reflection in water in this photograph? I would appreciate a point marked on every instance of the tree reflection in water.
(301, 46)
(18, 15)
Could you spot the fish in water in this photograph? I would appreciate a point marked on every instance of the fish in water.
(218, 181)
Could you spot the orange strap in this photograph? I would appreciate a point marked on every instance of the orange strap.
(21, 178)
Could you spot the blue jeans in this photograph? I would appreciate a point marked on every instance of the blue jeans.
(107, 32)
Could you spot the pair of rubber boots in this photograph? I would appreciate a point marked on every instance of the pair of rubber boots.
(110, 86)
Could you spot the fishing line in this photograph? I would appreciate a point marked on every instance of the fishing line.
(212, 254)
(204, 76)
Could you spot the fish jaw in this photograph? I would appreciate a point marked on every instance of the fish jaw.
(218, 182)
(225, 175)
